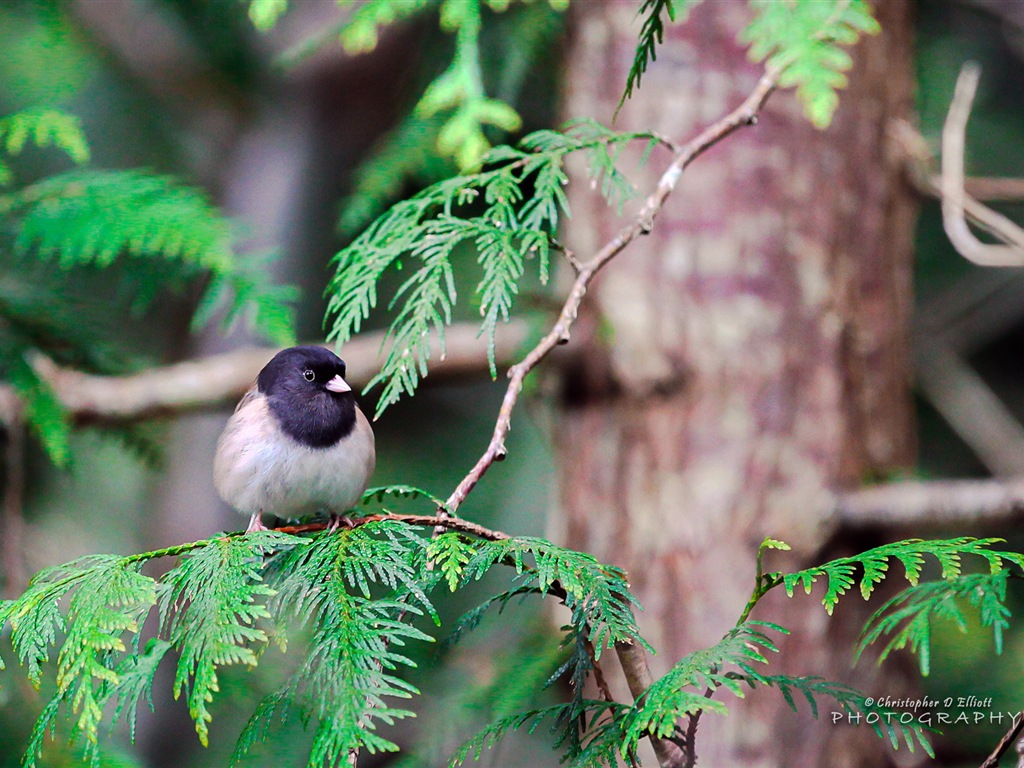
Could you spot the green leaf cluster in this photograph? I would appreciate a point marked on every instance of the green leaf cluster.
(734, 664)
(906, 618)
(458, 94)
(354, 597)
(807, 41)
(508, 212)
(652, 33)
(86, 219)
(872, 566)
(42, 127)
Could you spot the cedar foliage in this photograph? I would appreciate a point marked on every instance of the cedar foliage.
(358, 601)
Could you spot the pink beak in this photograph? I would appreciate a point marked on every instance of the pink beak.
(337, 384)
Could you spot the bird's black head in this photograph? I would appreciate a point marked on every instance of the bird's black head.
(307, 393)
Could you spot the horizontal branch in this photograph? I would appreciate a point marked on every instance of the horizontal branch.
(455, 524)
(934, 503)
(212, 381)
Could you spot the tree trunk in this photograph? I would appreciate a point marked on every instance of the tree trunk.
(753, 355)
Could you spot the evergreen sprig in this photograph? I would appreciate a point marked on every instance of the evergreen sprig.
(682, 691)
(91, 218)
(210, 605)
(735, 664)
(652, 33)
(106, 598)
(508, 213)
(873, 565)
(600, 715)
(907, 618)
(808, 41)
(351, 667)
(42, 127)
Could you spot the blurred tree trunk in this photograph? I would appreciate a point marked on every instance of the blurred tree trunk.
(752, 356)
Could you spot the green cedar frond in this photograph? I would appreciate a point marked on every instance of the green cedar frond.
(450, 552)
(906, 618)
(886, 723)
(652, 32)
(108, 597)
(44, 127)
(356, 647)
(91, 217)
(36, 617)
(210, 605)
(734, 663)
(599, 592)
(42, 411)
(529, 721)
(85, 217)
(681, 692)
(361, 32)
(873, 565)
(599, 601)
(264, 13)
(489, 210)
(408, 153)
(807, 41)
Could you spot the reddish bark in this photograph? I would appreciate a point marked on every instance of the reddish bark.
(756, 353)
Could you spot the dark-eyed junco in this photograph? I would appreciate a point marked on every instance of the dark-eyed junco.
(297, 443)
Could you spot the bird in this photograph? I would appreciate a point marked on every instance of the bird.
(297, 443)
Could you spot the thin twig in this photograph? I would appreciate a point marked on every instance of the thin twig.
(599, 678)
(953, 220)
(690, 739)
(455, 524)
(1004, 743)
(919, 160)
(745, 114)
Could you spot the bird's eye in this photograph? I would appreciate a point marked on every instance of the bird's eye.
(308, 375)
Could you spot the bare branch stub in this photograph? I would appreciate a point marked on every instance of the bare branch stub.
(952, 184)
(1004, 743)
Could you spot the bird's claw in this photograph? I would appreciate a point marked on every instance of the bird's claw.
(336, 521)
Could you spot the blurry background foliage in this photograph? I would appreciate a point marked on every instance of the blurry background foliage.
(121, 152)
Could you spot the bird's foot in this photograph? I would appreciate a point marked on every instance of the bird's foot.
(336, 521)
(256, 524)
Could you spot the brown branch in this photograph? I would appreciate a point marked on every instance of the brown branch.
(455, 524)
(633, 660)
(953, 218)
(212, 381)
(745, 114)
(1004, 743)
(937, 503)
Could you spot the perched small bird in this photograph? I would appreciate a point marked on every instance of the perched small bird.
(297, 444)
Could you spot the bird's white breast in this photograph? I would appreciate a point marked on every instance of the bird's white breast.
(258, 468)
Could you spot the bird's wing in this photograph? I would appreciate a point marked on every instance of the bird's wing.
(247, 398)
